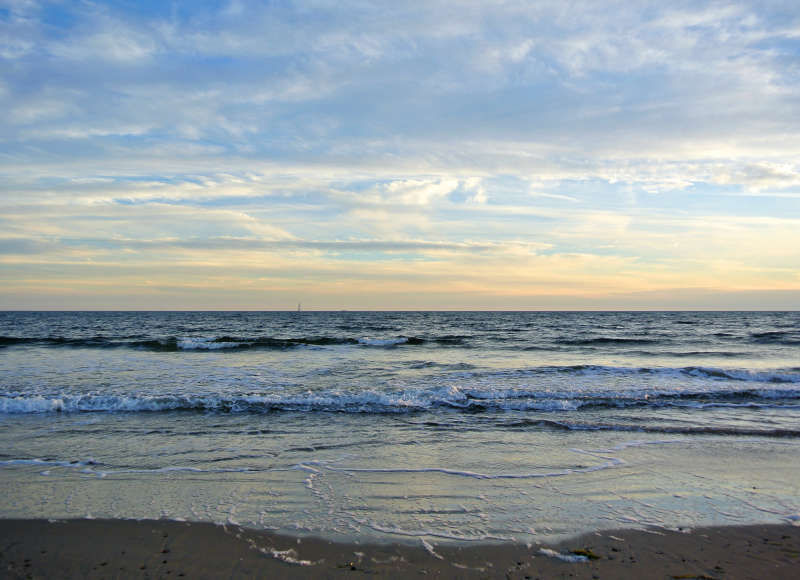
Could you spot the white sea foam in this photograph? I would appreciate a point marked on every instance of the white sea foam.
(31, 404)
(90, 466)
(429, 548)
(607, 464)
(382, 341)
(426, 533)
(403, 400)
(206, 344)
(289, 556)
(565, 557)
(75, 464)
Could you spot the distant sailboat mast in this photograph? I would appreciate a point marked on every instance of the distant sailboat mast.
(298, 307)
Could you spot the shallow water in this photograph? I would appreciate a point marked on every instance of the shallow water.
(448, 426)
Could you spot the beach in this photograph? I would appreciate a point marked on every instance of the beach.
(169, 549)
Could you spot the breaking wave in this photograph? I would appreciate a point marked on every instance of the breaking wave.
(402, 401)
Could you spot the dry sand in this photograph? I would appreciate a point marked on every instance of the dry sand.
(169, 549)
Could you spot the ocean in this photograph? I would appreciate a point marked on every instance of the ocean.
(403, 426)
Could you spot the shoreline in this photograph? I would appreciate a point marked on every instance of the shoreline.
(39, 548)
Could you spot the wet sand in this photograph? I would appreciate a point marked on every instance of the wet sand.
(170, 549)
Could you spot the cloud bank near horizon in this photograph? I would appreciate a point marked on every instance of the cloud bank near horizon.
(421, 155)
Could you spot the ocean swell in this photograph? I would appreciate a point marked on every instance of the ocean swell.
(217, 343)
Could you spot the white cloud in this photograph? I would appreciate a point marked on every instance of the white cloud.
(83, 132)
(757, 177)
(417, 192)
(114, 42)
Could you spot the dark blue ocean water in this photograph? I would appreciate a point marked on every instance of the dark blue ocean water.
(457, 425)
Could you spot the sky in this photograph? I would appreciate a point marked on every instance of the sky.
(400, 155)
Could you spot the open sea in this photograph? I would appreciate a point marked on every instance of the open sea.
(403, 426)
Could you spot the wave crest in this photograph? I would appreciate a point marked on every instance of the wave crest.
(402, 401)
(200, 343)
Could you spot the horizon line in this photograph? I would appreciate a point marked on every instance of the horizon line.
(329, 310)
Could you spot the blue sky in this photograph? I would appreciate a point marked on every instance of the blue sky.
(400, 155)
